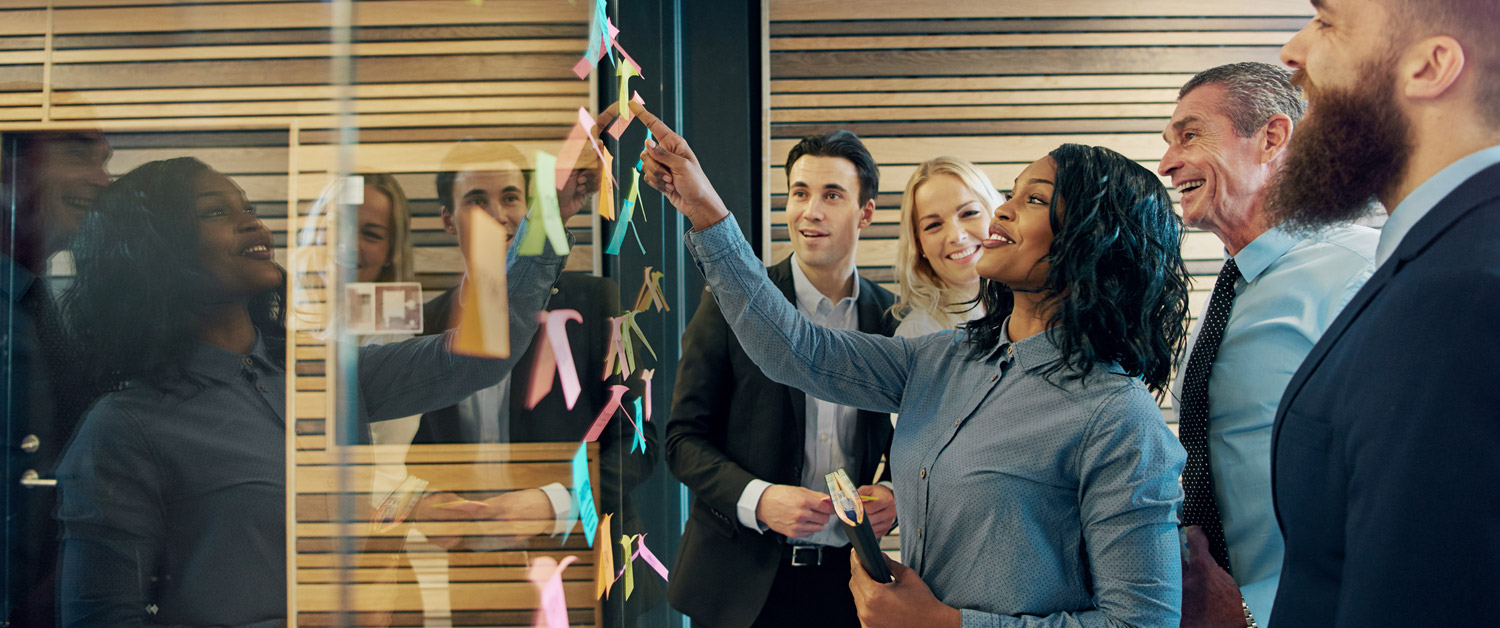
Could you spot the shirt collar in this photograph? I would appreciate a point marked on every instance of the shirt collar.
(807, 294)
(1266, 248)
(1421, 200)
(1029, 353)
(224, 365)
(15, 280)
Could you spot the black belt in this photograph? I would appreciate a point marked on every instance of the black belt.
(815, 555)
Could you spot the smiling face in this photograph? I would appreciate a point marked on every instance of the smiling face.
(1221, 175)
(234, 246)
(499, 193)
(823, 212)
(951, 223)
(375, 217)
(70, 173)
(1334, 48)
(1020, 236)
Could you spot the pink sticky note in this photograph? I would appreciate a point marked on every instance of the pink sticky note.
(546, 575)
(554, 355)
(572, 148)
(583, 68)
(645, 552)
(646, 379)
(616, 393)
(618, 128)
(586, 121)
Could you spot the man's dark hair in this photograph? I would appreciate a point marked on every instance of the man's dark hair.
(841, 144)
(1253, 92)
(472, 153)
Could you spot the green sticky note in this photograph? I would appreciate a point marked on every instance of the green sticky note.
(544, 209)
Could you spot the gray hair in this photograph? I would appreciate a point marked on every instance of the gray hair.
(1254, 92)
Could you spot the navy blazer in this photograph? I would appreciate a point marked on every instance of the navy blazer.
(1386, 446)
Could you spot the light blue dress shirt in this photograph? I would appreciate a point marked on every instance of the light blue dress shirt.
(1421, 200)
(1023, 501)
(1291, 289)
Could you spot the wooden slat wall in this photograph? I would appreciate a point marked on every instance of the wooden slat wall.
(245, 85)
(999, 84)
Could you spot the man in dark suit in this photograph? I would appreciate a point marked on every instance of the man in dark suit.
(49, 182)
(1386, 450)
(761, 546)
(499, 414)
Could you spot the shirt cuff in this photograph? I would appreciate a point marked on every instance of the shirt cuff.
(562, 507)
(748, 501)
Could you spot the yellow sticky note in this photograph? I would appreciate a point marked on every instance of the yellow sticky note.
(625, 543)
(606, 207)
(483, 319)
(606, 562)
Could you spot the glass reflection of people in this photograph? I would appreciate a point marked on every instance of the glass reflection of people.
(494, 178)
(48, 182)
(174, 497)
(1035, 477)
(945, 216)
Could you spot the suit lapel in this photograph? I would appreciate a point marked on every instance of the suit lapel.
(781, 275)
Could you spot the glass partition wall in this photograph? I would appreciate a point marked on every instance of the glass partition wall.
(317, 315)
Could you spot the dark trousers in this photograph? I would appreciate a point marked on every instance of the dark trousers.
(811, 595)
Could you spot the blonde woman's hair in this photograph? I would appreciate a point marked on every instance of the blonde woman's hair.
(399, 267)
(918, 287)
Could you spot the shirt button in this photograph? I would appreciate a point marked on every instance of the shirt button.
(249, 362)
(822, 437)
(924, 473)
(956, 422)
(31, 443)
(263, 388)
(919, 533)
(994, 377)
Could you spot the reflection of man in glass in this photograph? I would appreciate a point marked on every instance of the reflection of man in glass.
(49, 182)
(494, 178)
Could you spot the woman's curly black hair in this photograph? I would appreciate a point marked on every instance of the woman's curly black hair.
(1117, 286)
(140, 293)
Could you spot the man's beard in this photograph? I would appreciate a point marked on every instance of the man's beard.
(1352, 148)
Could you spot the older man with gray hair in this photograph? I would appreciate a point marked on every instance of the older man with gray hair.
(1276, 293)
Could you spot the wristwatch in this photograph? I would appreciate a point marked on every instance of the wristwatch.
(1249, 619)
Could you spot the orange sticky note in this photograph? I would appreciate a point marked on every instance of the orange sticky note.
(554, 355)
(606, 561)
(482, 318)
(606, 208)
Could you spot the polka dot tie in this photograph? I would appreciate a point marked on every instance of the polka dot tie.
(1199, 508)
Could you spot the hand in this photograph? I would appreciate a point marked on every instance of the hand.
(670, 166)
(1210, 597)
(446, 507)
(583, 182)
(792, 510)
(882, 511)
(905, 603)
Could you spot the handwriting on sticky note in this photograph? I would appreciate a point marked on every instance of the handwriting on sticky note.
(605, 559)
(583, 494)
(482, 318)
(544, 222)
(645, 553)
(616, 394)
(554, 355)
(546, 575)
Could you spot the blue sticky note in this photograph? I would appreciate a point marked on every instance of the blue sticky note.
(583, 494)
(640, 436)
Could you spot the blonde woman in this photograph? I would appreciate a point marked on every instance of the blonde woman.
(945, 215)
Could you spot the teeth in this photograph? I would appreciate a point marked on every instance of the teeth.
(259, 248)
(964, 253)
(998, 238)
(1189, 185)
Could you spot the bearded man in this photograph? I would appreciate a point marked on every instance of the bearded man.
(1386, 447)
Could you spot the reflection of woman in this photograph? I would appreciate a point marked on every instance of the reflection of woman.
(1034, 475)
(945, 215)
(384, 231)
(174, 488)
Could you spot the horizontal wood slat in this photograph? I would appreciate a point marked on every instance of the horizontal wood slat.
(834, 10)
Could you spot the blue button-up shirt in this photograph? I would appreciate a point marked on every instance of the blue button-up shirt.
(1291, 289)
(1426, 196)
(1024, 501)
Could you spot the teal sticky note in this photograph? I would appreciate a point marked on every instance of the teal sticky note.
(583, 494)
(640, 435)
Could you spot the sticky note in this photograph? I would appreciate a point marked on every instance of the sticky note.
(606, 207)
(645, 553)
(482, 319)
(605, 558)
(625, 543)
(616, 394)
(650, 293)
(640, 435)
(554, 355)
(646, 381)
(626, 211)
(583, 493)
(546, 575)
(545, 212)
(621, 356)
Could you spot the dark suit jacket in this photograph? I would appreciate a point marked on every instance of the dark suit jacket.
(1386, 446)
(730, 424)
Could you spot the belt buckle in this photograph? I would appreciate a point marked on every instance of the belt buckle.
(815, 553)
